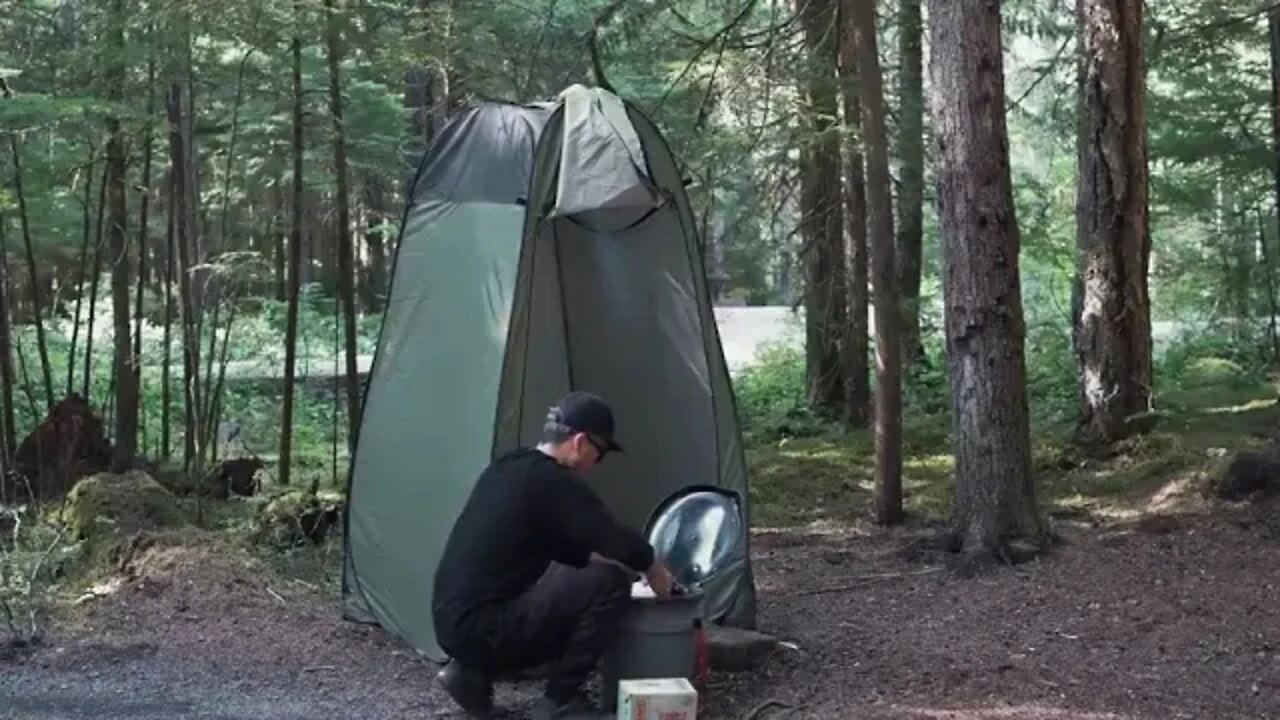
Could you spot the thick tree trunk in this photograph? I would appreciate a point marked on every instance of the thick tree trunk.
(856, 342)
(295, 263)
(884, 276)
(1113, 330)
(995, 497)
(821, 210)
(911, 189)
(346, 269)
(126, 388)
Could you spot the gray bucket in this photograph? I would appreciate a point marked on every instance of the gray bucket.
(657, 640)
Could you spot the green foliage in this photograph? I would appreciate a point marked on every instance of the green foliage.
(33, 553)
(772, 397)
(719, 77)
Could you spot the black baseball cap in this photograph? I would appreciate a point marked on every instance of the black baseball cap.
(588, 413)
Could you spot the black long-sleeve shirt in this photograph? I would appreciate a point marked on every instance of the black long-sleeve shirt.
(525, 511)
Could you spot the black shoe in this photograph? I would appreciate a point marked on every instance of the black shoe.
(576, 709)
(470, 689)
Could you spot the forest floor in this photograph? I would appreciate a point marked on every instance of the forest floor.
(1158, 604)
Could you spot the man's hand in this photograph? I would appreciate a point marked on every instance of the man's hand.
(660, 578)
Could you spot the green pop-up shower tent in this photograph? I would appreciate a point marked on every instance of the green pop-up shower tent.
(545, 247)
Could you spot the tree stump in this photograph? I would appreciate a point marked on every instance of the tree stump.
(1251, 476)
(70, 443)
(235, 476)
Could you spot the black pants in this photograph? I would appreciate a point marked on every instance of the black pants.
(569, 618)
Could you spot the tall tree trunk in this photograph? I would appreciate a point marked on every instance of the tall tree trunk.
(375, 241)
(87, 380)
(279, 241)
(883, 270)
(126, 387)
(223, 229)
(1273, 306)
(183, 217)
(911, 189)
(1113, 330)
(6, 363)
(820, 204)
(295, 260)
(995, 497)
(87, 222)
(36, 305)
(147, 150)
(856, 342)
(1273, 25)
(170, 251)
(346, 269)
(6, 349)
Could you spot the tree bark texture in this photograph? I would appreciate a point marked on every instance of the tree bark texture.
(910, 149)
(884, 275)
(856, 344)
(190, 340)
(995, 497)
(7, 377)
(295, 260)
(126, 383)
(167, 352)
(1113, 329)
(148, 152)
(1273, 26)
(1268, 270)
(821, 211)
(346, 262)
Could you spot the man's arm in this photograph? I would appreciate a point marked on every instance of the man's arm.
(579, 526)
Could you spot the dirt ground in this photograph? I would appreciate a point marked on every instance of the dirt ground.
(1165, 620)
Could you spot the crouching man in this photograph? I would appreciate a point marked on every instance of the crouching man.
(536, 571)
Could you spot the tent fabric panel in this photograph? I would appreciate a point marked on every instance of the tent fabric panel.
(602, 160)
(733, 471)
(428, 420)
(536, 287)
(483, 155)
(547, 367)
(634, 338)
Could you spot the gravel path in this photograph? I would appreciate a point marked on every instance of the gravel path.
(1182, 621)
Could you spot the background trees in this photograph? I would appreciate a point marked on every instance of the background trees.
(232, 175)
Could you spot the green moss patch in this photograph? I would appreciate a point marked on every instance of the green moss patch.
(106, 510)
(120, 504)
(831, 478)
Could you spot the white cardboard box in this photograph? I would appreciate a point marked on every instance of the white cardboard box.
(657, 699)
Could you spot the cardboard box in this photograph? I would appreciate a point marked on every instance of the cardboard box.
(657, 699)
